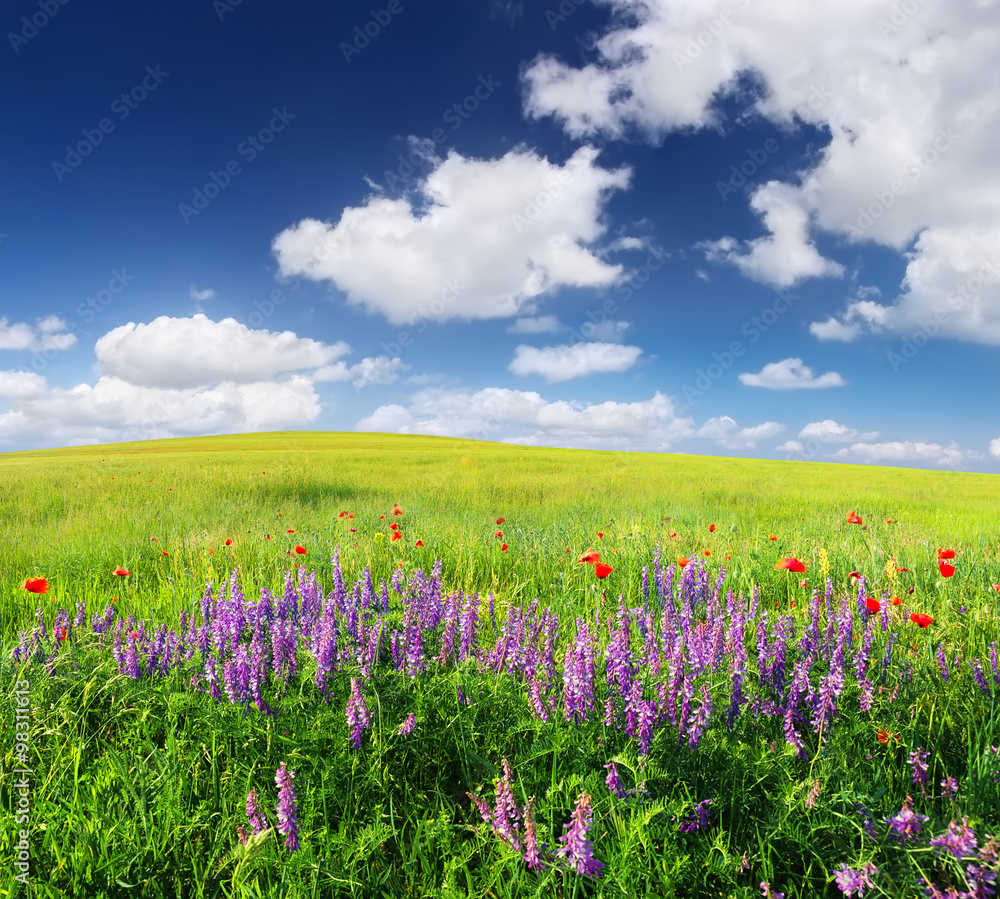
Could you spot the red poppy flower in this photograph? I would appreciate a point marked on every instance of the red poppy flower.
(707, 552)
(590, 556)
(884, 736)
(342, 515)
(121, 572)
(211, 552)
(683, 560)
(301, 550)
(567, 549)
(996, 587)
(419, 543)
(36, 585)
(394, 526)
(802, 584)
(600, 534)
(946, 554)
(229, 541)
(267, 536)
(888, 521)
(350, 515)
(790, 564)
(397, 511)
(164, 552)
(854, 577)
(602, 570)
(153, 540)
(397, 535)
(873, 604)
(921, 619)
(729, 557)
(946, 569)
(673, 533)
(60, 633)
(852, 518)
(896, 600)
(381, 516)
(498, 534)
(899, 570)
(353, 531)
(711, 528)
(771, 537)
(290, 531)
(501, 520)
(503, 547)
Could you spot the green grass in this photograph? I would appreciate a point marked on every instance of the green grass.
(138, 785)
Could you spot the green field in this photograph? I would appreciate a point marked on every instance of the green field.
(139, 783)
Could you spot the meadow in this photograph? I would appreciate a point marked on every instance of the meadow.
(378, 665)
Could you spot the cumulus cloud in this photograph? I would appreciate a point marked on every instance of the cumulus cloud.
(543, 324)
(795, 447)
(830, 431)
(786, 255)
(790, 374)
(370, 370)
(902, 451)
(724, 431)
(20, 384)
(480, 238)
(113, 409)
(564, 362)
(48, 333)
(995, 447)
(515, 416)
(196, 351)
(910, 162)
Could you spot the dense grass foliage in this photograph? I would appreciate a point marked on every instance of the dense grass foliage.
(767, 726)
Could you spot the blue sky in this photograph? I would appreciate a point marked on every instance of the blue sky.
(734, 228)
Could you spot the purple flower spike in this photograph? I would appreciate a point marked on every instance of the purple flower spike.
(906, 824)
(576, 848)
(768, 893)
(357, 714)
(254, 815)
(288, 812)
(614, 784)
(532, 852)
(407, 726)
(960, 840)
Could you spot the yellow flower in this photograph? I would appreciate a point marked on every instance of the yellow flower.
(824, 564)
(379, 535)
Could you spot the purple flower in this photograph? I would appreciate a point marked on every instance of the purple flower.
(576, 848)
(288, 812)
(532, 853)
(612, 781)
(853, 882)
(768, 893)
(258, 822)
(906, 824)
(697, 818)
(506, 812)
(949, 787)
(918, 761)
(407, 726)
(357, 714)
(959, 839)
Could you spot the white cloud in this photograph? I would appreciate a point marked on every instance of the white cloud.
(724, 431)
(20, 384)
(370, 370)
(113, 409)
(48, 333)
(784, 257)
(486, 239)
(834, 329)
(544, 324)
(201, 295)
(791, 446)
(995, 447)
(564, 362)
(196, 352)
(830, 431)
(910, 163)
(516, 416)
(952, 456)
(608, 330)
(790, 374)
